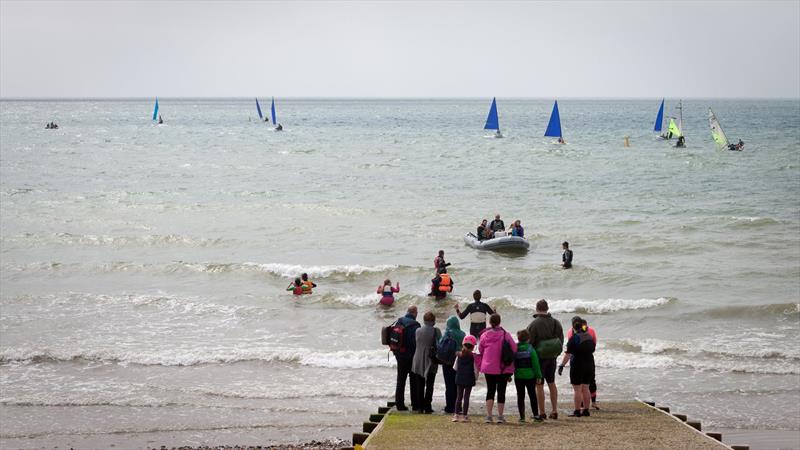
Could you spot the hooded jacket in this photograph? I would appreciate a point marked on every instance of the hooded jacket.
(454, 331)
(491, 348)
(544, 327)
(427, 337)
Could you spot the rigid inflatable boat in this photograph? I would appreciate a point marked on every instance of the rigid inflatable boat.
(502, 243)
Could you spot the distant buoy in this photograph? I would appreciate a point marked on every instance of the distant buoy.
(626, 141)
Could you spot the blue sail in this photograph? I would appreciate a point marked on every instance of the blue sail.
(155, 110)
(554, 127)
(659, 117)
(274, 121)
(492, 123)
(258, 108)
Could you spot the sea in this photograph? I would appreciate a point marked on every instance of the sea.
(143, 268)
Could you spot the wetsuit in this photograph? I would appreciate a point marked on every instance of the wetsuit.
(481, 230)
(581, 363)
(477, 312)
(566, 259)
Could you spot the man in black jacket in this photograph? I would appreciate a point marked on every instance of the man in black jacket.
(404, 359)
(566, 257)
(497, 224)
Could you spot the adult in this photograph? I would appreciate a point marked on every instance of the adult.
(580, 354)
(452, 331)
(439, 262)
(516, 229)
(593, 383)
(481, 230)
(387, 292)
(681, 142)
(160, 120)
(441, 285)
(547, 337)
(497, 373)
(497, 224)
(404, 357)
(477, 312)
(424, 366)
(566, 257)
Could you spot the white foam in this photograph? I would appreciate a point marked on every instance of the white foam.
(592, 306)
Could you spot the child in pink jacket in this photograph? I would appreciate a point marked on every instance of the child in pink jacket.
(497, 374)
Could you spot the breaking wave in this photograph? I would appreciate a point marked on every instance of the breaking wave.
(343, 359)
(582, 306)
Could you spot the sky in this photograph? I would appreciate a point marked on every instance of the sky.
(628, 49)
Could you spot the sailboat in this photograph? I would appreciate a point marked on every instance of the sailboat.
(659, 124)
(278, 127)
(260, 115)
(156, 116)
(492, 122)
(719, 136)
(554, 126)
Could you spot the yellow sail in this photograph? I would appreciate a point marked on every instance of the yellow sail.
(673, 128)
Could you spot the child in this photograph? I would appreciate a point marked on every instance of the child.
(387, 292)
(307, 284)
(527, 374)
(466, 373)
(297, 287)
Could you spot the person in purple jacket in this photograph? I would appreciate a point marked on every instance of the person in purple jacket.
(497, 374)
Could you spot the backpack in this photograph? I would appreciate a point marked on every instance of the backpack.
(549, 348)
(396, 337)
(507, 356)
(446, 350)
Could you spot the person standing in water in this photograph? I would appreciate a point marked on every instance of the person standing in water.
(439, 262)
(478, 312)
(308, 284)
(566, 257)
(387, 292)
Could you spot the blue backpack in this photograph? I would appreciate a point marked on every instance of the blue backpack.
(446, 350)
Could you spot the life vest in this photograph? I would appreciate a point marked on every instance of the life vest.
(307, 285)
(298, 290)
(444, 284)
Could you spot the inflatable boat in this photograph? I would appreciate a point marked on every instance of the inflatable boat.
(501, 243)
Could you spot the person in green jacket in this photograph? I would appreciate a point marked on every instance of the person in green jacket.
(453, 331)
(527, 374)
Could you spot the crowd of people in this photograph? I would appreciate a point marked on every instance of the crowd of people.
(488, 230)
(531, 361)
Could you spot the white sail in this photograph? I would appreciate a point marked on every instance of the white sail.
(716, 130)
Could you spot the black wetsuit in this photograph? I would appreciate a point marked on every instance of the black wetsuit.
(566, 259)
(477, 312)
(481, 229)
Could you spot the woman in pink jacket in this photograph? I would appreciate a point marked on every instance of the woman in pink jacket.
(497, 373)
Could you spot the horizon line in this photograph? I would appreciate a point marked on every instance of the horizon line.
(67, 98)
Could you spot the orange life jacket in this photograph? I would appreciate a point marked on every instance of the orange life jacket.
(307, 286)
(444, 284)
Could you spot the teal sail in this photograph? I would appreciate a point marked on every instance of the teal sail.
(155, 110)
(492, 123)
(274, 120)
(659, 118)
(258, 108)
(554, 127)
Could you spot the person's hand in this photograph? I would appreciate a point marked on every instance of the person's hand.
(456, 307)
(560, 369)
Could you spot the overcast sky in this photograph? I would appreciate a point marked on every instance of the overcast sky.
(400, 49)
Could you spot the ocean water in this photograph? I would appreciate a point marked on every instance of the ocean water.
(143, 267)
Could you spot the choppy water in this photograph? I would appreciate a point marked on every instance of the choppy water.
(143, 267)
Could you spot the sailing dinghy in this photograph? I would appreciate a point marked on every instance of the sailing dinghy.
(719, 136)
(492, 122)
(278, 127)
(554, 126)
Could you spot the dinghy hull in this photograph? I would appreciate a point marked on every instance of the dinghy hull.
(500, 244)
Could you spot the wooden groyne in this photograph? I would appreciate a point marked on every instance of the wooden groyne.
(619, 425)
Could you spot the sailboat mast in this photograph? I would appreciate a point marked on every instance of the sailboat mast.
(680, 115)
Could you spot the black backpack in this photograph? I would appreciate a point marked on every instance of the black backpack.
(507, 356)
